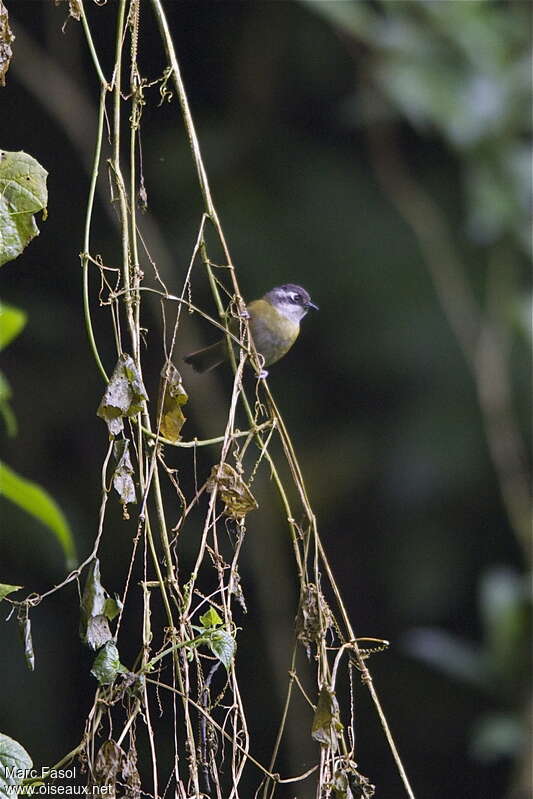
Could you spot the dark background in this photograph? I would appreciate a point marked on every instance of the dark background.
(307, 113)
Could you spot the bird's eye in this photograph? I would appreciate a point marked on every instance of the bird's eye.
(295, 298)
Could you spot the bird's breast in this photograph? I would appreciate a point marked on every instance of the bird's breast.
(273, 333)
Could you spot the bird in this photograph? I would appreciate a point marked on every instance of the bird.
(274, 324)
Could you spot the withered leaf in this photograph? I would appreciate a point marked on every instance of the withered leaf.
(6, 38)
(74, 8)
(94, 626)
(232, 490)
(123, 396)
(314, 617)
(326, 722)
(109, 762)
(349, 783)
(172, 396)
(113, 763)
(24, 623)
(122, 477)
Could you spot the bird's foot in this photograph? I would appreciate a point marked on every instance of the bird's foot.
(263, 374)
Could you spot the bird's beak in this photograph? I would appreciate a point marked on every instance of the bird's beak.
(312, 305)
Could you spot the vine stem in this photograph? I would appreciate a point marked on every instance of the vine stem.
(87, 235)
(291, 456)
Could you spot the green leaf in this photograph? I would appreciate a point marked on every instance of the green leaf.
(122, 477)
(172, 396)
(6, 411)
(112, 608)
(211, 619)
(12, 756)
(123, 396)
(222, 644)
(38, 503)
(12, 321)
(107, 664)
(22, 194)
(6, 589)
(326, 722)
(94, 626)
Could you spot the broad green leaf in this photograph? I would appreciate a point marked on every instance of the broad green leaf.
(172, 396)
(27, 641)
(12, 321)
(6, 589)
(123, 396)
(223, 645)
(122, 477)
(326, 722)
(12, 756)
(22, 194)
(107, 664)
(38, 503)
(94, 626)
(210, 619)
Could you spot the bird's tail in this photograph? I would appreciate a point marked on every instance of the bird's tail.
(209, 357)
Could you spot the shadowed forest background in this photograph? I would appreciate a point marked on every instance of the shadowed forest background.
(379, 155)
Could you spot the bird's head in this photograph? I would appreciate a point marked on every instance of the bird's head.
(290, 300)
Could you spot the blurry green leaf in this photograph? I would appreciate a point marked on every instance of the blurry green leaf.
(122, 477)
(6, 589)
(12, 756)
(6, 411)
(12, 321)
(326, 722)
(353, 18)
(22, 194)
(498, 185)
(496, 736)
(107, 664)
(94, 626)
(24, 623)
(6, 38)
(506, 611)
(172, 396)
(223, 645)
(449, 654)
(211, 618)
(232, 490)
(112, 608)
(123, 396)
(37, 502)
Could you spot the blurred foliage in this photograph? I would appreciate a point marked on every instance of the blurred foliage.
(462, 69)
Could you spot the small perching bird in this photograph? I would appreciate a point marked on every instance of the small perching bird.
(274, 324)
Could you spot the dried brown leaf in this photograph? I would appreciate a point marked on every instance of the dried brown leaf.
(6, 38)
(232, 490)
